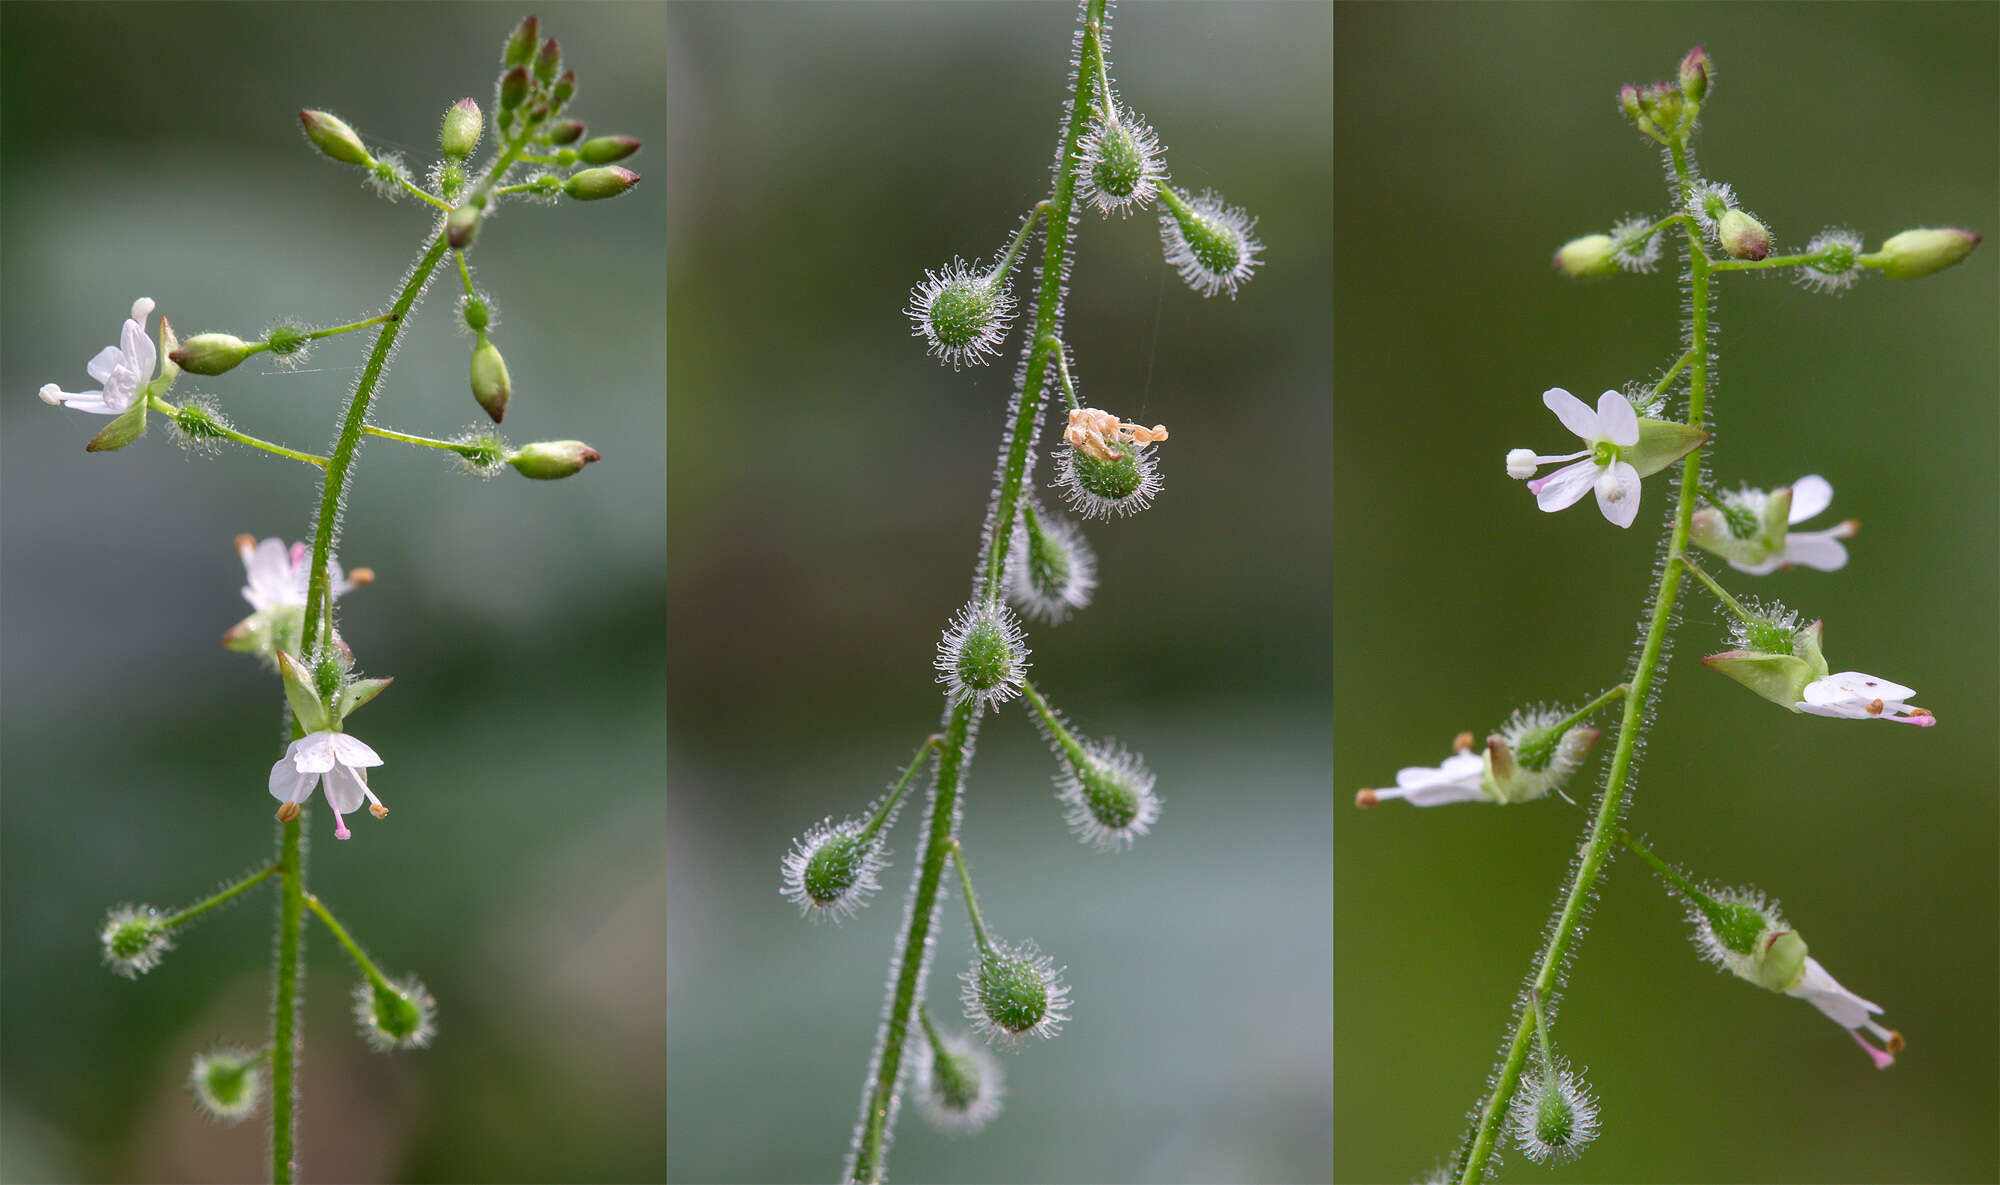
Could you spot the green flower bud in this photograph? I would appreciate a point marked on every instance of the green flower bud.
(521, 43)
(211, 353)
(513, 89)
(1628, 102)
(462, 125)
(1013, 993)
(462, 226)
(546, 62)
(398, 1015)
(228, 1083)
(1694, 76)
(331, 135)
(1742, 236)
(593, 184)
(564, 88)
(133, 940)
(490, 384)
(566, 132)
(549, 459)
(602, 150)
(1920, 252)
(1587, 258)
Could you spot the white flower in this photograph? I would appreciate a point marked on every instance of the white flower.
(279, 575)
(1847, 1010)
(335, 758)
(1457, 780)
(123, 369)
(1814, 549)
(1863, 697)
(1613, 426)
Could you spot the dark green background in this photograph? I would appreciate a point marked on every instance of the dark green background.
(155, 150)
(827, 483)
(1471, 141)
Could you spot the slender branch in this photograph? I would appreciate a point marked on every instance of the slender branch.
(209, 427)
(243, 886)
(1802, 260)
(971, 901)
(422, 194)
(340, 933)
(880, 818)
(450, 446)
(1069, 743)
(317, 334)
(1600, 837)
(880, 1096)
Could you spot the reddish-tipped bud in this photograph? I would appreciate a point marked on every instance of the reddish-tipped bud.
(551, 459)
(569, 131)
(513, 88)
(1742, 236)
(210, 353)
(462, 125)
(1628, 102)
(521, 45)
(1920, 252)
(1694, 74)
(602, 150)
(593, 184)
(331, 135)
(564, 88)
(462, 226)
(546, 62)
(490, 384)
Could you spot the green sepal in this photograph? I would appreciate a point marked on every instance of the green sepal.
(169, 369)
(1661, 443)
(1781, 960)
(128, 427)
(1780, 678)
(360, 692)
(307, 706)
(1710, 530)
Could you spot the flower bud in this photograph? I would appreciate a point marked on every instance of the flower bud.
(133, 939)
(1694, 78)
(1050, 569)
(602, 150)
(564, 88)
(958, 1084)
(1920, 252)
(1208, 243)
(210, 353)
(550, 459)
(983, 656)
(1628, 102)
(513, 89)
(1587, 258)
(1014, 993)
(521, 43)
(228, 1083)
(832, 870)
(331, 135)
(461, 226)
(569, 131)
(593, 184)
(1742, 237)
(399, 1015)
(546, 62)
(462, 125)
(490, 384)
(1662, 102)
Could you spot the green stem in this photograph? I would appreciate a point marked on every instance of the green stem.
(451, 446)
(879, 1095)
(353, 949)
(317, 334)
(1803, 260)
(1673, 372)
(1601, 836)
(1014, 244)
(209, 427)
(1666, 870)
(1070, 746)
(1641, 236)
(285, 1043)
(422, 194)
(877, 820)
(971, 901)
(1541, 1028)
(1062, 372)
(1577, 717)
(243, 886)
(1721, 593)
(319, 606)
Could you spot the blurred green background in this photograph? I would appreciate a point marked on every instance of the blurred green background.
(826, 482)
(1471, 141)
(155, 150)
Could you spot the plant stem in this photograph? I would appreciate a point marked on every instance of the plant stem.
(1744, 265)
(285, 1044)
(867, 1159)
(317, 334)
(1601, 836)
(1070, 747)
(353, 949)
(1722, 593)
(422, 194)
(971, 901)
(880, 818)
(1662, 867)
(209, 425)
(319, 606)
(243, 886)
(450, 446)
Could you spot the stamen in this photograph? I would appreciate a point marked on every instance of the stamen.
(288, 812)
(378, 810)
(1366, 798)
(1874, 707)
(361, 576)
(1463, 743)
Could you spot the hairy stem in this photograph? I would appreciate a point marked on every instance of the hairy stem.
(1603, 835)
(867, 1161)
(284, 1023)
(243, 886)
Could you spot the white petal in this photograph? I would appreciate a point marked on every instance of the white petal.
(1853, 687)
(1616, 419)
(288, 784)
(1763, 567)
(140, 353)
(107, 360)
(1618, 494)
(1573, 412)
(1843, 1007)
(1810, 495)
(312, 753)
(142, 308)
(1815, 549)
(352, 752)
(1563, 487)
(345, 789)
